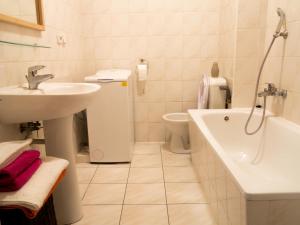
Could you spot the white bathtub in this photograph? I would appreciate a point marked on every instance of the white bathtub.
(247, 178)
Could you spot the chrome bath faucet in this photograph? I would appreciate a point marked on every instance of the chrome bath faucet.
(271, 90)
(33, 79)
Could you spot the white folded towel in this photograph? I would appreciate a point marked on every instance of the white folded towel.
(11, 150)
(34, 193)
(203, 92)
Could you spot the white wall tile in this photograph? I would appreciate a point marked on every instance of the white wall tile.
(141, 112)
(174, 5)
(173, 91)
(193, 23)
(192, 46)
(190, 90)
(174, 24)
(156, 6)
(156, 132)
(174, 47)
(193, 5)
(137, 6)
(103, 48)
(138, 24)
(119, 6)
(155, 112)
(120, 24)
(101, 25)
(174, 37)
(173, 69)
(156, 23)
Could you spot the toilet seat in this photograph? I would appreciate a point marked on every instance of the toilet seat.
(176, 117)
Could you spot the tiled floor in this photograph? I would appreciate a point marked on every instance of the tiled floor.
(157, 188)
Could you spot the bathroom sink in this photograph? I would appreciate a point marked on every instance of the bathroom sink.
(54, 104)
(18, 104)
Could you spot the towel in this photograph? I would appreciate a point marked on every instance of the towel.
(22, 178)
(11, 150)
(203, 92)
(15, 168)
(34, 193)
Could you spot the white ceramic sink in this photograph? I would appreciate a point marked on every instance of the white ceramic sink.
(55, 104)
(51, 101)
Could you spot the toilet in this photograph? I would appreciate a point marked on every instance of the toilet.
(178, 132)
(177, 135)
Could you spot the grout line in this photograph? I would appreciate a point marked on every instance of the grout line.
(147, 167)
(192, 203)
(147, 153)
(176, 182)
(152, 166)
(124, 194)
(162, 167)
(131, 204)
(88, 184)
(169, 182)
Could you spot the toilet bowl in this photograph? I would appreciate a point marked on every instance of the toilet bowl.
(177, 132)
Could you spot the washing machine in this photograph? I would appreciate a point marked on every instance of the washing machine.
(110, 117)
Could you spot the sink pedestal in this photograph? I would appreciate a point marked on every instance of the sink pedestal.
(59, 143)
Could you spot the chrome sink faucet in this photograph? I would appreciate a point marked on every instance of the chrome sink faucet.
(271, 90)
(33, 79)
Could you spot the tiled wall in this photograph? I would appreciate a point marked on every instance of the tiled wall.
(283, 65)
(227, 41)
(257, 21)
(65, 62)
(250, 46)
(179, 38)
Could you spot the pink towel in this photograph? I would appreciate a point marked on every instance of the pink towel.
(21, 163)
(22, 178)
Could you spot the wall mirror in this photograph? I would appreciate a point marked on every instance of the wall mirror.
(26, 13)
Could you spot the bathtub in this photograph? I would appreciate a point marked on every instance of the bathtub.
(248, 180)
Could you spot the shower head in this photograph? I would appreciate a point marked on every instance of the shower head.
(281, 24)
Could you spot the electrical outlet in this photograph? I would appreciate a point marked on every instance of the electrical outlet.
(61, 39)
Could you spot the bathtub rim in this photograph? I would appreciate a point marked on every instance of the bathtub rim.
(232, 168)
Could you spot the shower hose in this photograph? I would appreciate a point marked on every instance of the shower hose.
(255, 95)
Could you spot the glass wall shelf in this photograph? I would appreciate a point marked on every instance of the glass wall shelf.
(35, 45)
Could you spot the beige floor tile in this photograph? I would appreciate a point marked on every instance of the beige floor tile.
(114, 165)
(101, 215)
(145, 194)
(85, 174)
(146, 175)
(190, 214)
(86, 165)
(184, 193)
(146, 161)
(172, 159)
(82, 190)
(180, 174)
(144, 215)
(111, 175)
(104, 194)
(144, 148)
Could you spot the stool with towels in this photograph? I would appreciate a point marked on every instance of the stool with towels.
(26, 194)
